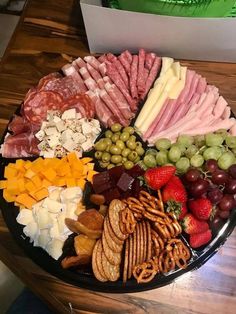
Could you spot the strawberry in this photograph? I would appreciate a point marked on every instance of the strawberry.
(201, 208)
(199, 239)
(179, 209)
(175, 191)
(191, 225)
(159, 176)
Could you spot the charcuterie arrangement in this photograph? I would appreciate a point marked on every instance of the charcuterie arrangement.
(124, 166)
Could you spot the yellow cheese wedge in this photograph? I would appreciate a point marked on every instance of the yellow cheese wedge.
(177, 89)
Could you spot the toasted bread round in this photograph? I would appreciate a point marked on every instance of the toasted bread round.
(114, 216)
(113, 257)
(126, 261)
(100, 275)
(117, 248)
(112, 272)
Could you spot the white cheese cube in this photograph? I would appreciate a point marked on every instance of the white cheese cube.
(51, 131)
(61, 222)
(53, 140)
(43, 238)
(60, 125)
(43, 218)
(40, 135)
(78, 138)
(48, 153)
(51, 205)
(70, 145)
(66, 135)
(87, 145)
(70, 210)
(25, 216)
(56, 119)
(86, 128)
(54, 194)
(69, 114)
(54, 230)
(78, 115)
(43, 125)
(73, 194)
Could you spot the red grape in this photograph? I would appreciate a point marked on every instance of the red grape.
(199, 187)
(211, 165)
(231, 186)
(216, 222)
(232, 171)
(224, 214)
(215, 195)
(219, 177)
(192, 175)
(226, 203)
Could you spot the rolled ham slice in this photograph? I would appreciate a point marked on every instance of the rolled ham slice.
(202, 84)
(220, 107)
(103, 68)
(91, 84)
(227, 112)
(129, 56)
(122, 72)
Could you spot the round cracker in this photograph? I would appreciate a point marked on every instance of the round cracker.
(134, 263)
(95, 268)
(99, 259)
(117, 248)
(112, 272)
(130, 256)
(126, 261)
(114, 217)
(149, 241)
(112, 234)
(113, 258)
(138, 244)
(143, 242)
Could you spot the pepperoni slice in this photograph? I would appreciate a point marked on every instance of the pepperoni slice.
(36, 107)
(50, 77)
(82, 103)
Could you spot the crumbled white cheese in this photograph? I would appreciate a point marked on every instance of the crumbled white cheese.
(67, 132)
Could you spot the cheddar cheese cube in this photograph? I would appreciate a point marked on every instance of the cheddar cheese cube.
(49, 174)
(8, 197)
(26, 200)
(3, 184)
(41, 194)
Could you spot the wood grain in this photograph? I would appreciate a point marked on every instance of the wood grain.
(49, 32)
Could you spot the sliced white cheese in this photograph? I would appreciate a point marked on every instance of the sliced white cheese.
(40, 135)
(166, 64)
(177, 89)
(43, 238)
(70, 210)
(177, 69)
(69, 114)
(31, 230)
(43, 219)
(60, 125)
(25, 216)
(73, 194)
(51, 131)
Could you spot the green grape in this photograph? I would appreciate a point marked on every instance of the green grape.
(222, 132)
(213, 139)
(226, 160)
(162, 157)
(174, 153)
(191, 151)
(151, 151)
(150, 161)
(185, 140)
(163, 144)
(199, 140)
(197, 161)
(231, 141)
(182, 164)
(213, 152)
(181, 147)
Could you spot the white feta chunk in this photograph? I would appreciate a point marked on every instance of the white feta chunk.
(70, 145)
(79, 138)
(69, 114)
(60, 125)
(53, 140)
(40, 135)
(48, 153)
(86, 128)
(87, 145)
(78, 115)
(31, 230)
(43, 219)
(51, 131)
(56, 119)
(43, 238)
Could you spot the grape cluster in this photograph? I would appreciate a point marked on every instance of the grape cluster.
(193, 151)
(218, 185)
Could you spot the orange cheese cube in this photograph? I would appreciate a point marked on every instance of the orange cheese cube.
(37, 181)
(85, 170)
(81, 183)
(70, 182)
(8, 197)
(26, 200)
(49, 174)
(90, 166)
(64, 170)
(86, 160)
(41, 194)
(78, 166)
(3, 184)
(46, 183)
(30, 187)
(29, 174)
(21, 185)
(19, 165)
(76, 174)
(59, 181)
(10, 172)
(72, 157)
(12, 186)
(37, 165)
(27, 164)
(90, 175)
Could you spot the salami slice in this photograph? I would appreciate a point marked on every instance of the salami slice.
(66, 87)
(128, 55)
(133, 77)
(152, 75)
(149, 60)
(82, 103)
(35, 108)
(70, 70)
(50, 77)
(122, 72)
(92, 61)
(124, 61)
(80, 62)
(141, 76)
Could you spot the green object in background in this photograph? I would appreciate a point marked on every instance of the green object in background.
(188, 8)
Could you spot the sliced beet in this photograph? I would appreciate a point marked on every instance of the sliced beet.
(136, 171)
(111, 195)
(125, 182)
(100, 188)
(115, 173)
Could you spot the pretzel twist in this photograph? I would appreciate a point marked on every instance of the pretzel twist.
(158, 243)
(147, 271)
(127, 221)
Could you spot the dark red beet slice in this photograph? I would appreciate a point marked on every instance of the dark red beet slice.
(111, 195)
(115, 173)
(125, 182)
(136, 171)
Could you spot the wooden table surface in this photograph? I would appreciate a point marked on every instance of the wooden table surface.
(48, 33)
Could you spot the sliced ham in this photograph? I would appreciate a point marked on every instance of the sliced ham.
(232, 130)
(102, 58)
(91, 84)
(19, 125)
(92, 61)
(119, 99)
(112, 107)
(103, 68)
(220, 107)
(227, 112)
(111, 57)
(202, 84)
